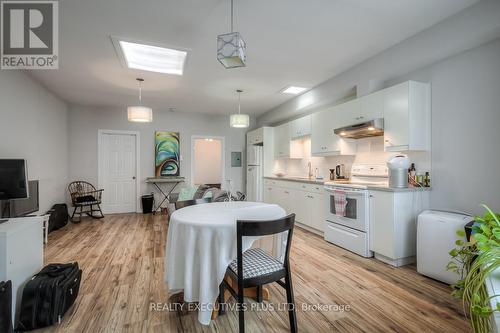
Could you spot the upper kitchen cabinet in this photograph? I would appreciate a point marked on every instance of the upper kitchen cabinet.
(323, 141)
(282, 140)
(255, 137)
(371, 106)
(407, 117)
(348, 113)
(300, 127)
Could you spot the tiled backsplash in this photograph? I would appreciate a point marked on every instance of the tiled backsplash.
(369, 150)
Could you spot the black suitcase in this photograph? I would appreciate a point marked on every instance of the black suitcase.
(58, 216)
(6, 307)
(48, 295)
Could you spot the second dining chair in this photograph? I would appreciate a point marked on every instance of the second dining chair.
(255, 268)
(186, 203)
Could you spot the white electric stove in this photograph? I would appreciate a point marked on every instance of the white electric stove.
(351, 230)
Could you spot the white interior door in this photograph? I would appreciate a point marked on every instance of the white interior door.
(118, 172)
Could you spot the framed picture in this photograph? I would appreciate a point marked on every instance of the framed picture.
(167, 154)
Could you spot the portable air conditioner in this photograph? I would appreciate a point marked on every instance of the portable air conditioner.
(436, 236)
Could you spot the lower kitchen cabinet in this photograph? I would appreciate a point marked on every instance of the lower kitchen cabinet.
(304, 200)
(393, 224)
(316, 207)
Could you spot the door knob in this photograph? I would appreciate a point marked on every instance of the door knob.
(133, 177)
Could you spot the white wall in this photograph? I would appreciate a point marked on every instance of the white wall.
(207, 161)
(84, 122)
(33, 125)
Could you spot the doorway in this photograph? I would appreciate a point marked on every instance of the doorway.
(207, 163)
(118, 171)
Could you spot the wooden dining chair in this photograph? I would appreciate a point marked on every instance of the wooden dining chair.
(254, 267)
(186, 203)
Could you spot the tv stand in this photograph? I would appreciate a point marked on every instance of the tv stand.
(21, 254)
(4, 209)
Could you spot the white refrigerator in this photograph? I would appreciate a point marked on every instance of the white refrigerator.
(254, 174)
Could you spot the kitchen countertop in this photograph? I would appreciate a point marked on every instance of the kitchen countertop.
(370, 187)
(393, 189)
(299, 179)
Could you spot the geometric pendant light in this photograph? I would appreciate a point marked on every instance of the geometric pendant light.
(231, 48)
(239, 120)
(140, 113)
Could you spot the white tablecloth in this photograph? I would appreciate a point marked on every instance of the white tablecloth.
(202, 242)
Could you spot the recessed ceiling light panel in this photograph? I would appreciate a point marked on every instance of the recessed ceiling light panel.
(150, 57)
(294, 90)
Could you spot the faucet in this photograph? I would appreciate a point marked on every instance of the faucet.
(309, 168)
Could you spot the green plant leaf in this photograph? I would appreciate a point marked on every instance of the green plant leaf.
(493, 215)
(481, 238)
(461, 233)
(486, 230)
(496, 232)
(453, 253)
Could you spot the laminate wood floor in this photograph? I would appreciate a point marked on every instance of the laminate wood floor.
(122, 257)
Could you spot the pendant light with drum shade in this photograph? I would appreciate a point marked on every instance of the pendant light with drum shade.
(239, 120)
(140, 113)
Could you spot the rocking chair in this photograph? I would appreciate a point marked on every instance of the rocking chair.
(86, 199)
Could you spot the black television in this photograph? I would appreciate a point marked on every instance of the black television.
(13, 179)
(22, 207)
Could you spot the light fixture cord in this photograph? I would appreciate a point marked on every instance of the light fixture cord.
(231, 15)
(239, 103)
(140, 93)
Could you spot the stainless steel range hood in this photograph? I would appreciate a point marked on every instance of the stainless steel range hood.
(367, 129)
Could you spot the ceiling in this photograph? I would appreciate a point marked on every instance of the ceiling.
(289, 42)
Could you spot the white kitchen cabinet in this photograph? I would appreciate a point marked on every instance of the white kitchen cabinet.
(256, 136)
(283, 198)
(317, 211)
(269, 194)
(303, 199)
(372, 106)
(282, 140)
(348, 113)
(393, 220)
(407, 116)
(300, 127)
(324, 142)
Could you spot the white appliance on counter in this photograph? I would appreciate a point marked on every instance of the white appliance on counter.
(351, 230)
(254, 174)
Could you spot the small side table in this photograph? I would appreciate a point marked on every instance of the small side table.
(45, 226)
(156, 181)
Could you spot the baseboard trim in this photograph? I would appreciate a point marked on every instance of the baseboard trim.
(314, 231)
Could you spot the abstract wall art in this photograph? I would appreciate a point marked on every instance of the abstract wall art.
(167, 154)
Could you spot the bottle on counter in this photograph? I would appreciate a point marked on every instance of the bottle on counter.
(412, 171)
(420, 179)
(427, 179)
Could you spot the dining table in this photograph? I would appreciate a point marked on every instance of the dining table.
(201, 243)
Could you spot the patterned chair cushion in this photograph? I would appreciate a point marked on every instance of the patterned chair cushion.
(256, 262)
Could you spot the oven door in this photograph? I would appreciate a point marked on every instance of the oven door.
(356, 211)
